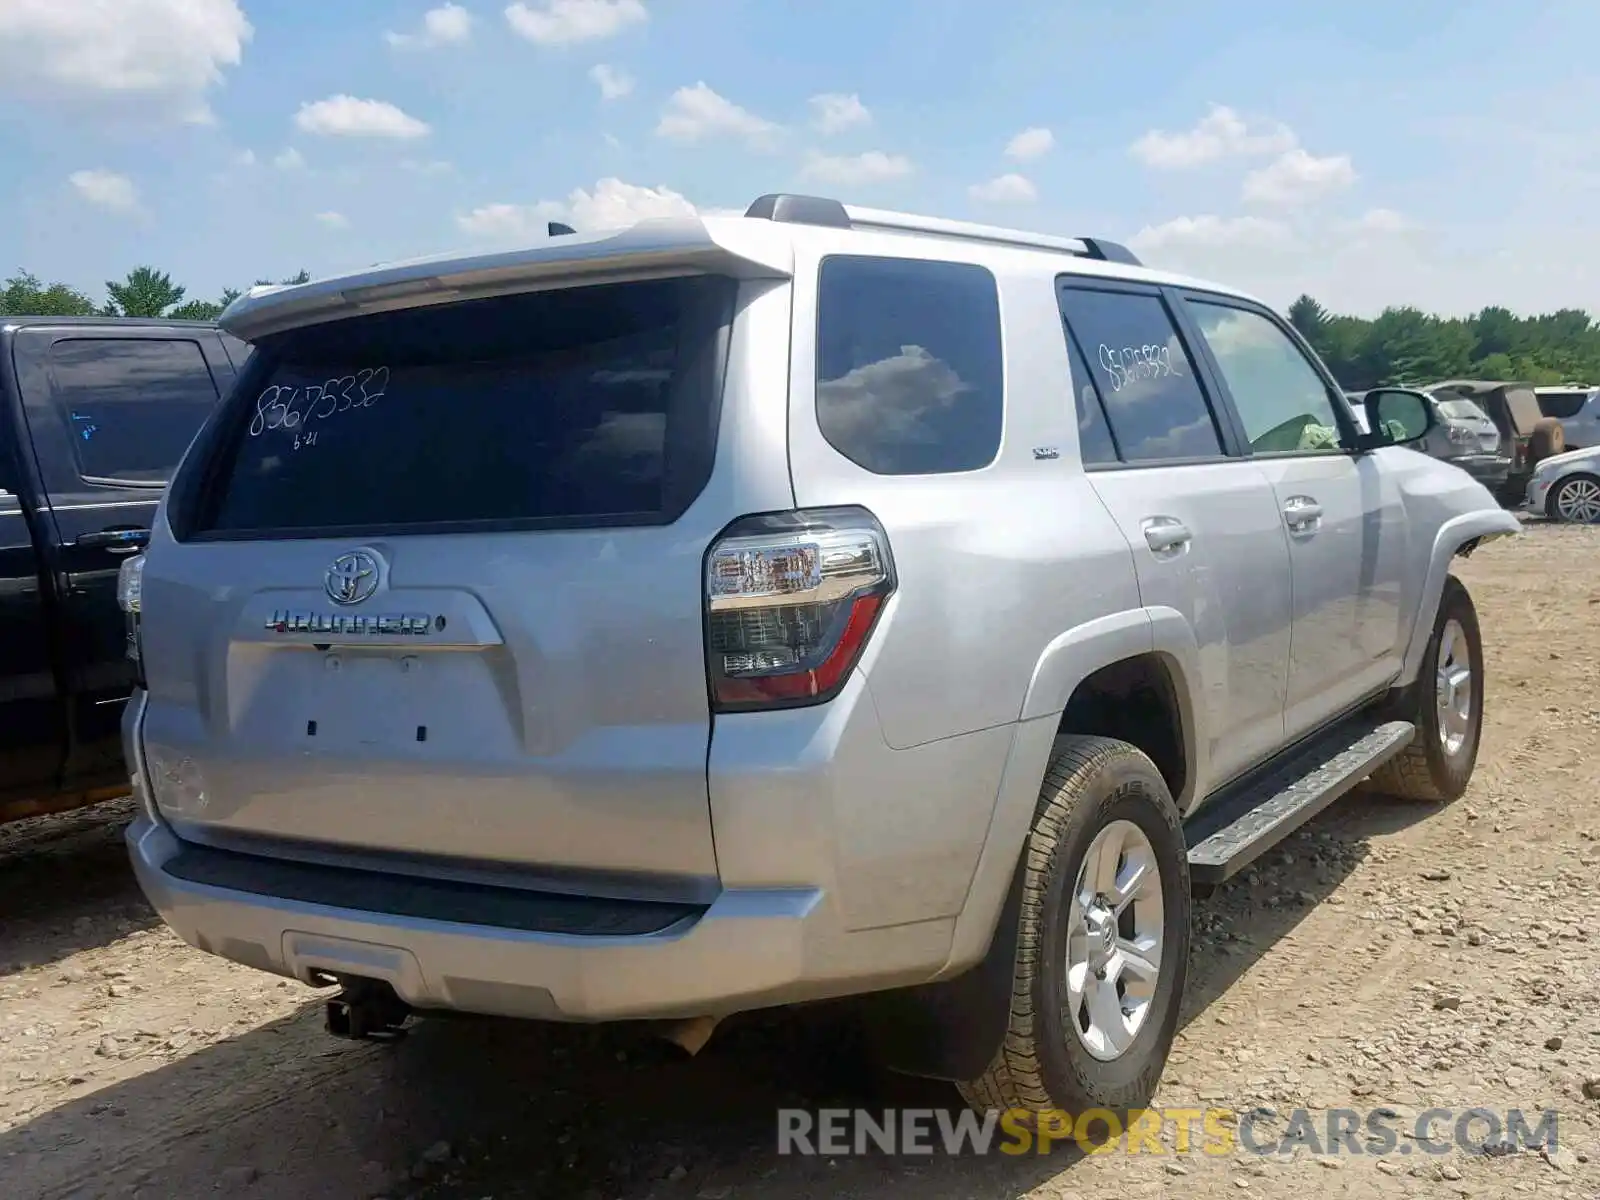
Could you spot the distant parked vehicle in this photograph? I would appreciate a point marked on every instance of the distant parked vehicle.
(1463, 436)
(1529, 437)
(1577, 407)
(1566, 487)
(94, 415)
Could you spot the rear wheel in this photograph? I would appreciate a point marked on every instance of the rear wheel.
(1576, 499)
(1447, 711)
(1103, 942)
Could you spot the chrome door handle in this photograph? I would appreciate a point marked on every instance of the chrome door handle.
(118, 541)
(1165, 535)
(1302, 514)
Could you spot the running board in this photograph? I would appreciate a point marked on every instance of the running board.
(1241, 825)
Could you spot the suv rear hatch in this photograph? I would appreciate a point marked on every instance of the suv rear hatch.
(438, 595)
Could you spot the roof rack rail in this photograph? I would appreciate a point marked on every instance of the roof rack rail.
(820, 210)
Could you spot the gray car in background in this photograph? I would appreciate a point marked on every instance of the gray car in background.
(1463, 436)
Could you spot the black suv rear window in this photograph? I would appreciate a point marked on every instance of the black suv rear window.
(571, 407)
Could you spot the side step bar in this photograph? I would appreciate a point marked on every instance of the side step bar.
(1241, 825)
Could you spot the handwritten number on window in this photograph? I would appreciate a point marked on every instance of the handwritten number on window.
(1136, 364)
(295, 408)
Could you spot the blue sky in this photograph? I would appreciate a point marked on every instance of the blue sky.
(1369, 153)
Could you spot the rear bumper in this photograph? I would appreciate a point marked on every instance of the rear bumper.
(1491, 470)
(748, 948)
(751, 947)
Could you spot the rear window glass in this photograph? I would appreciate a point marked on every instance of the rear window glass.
(909, 375)
(577, 406)
(1461, 410)
(132, 405)
(1562, 405)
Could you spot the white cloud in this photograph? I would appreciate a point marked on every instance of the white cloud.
(333, 220)
(564, 22)
(449, 24)
(1221, 133)
(289, 160)
(614, 83)
(696, 113)
(1005, 189)
(873, 166)
(612, 204)
(1298, 178)
(163, 54)
(1382, 220)
(245, 158)
(106, 189)
(834, 112)
(1030, 143)
(348, 116)
(1209, 233)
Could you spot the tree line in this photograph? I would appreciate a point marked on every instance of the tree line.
(143, 292)
(1406, 346)
(1400, 346)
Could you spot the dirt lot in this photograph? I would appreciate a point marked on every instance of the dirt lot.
(1387, 956)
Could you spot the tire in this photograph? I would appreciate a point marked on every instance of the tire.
(1432, 768)
(1548, 437)
(1575, 499)
(1093, 786)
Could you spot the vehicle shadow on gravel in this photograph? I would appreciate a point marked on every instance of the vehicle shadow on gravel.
(65, 886)
(464, 1109)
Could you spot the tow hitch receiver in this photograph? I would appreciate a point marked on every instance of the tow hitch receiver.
(367, 1011)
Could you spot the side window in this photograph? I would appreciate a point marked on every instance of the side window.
(1152, 395)
(909, 372)
(1095, 444)
(1282, 400)
(133, 405)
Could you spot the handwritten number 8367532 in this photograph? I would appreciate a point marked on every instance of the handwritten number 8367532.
(293, 409)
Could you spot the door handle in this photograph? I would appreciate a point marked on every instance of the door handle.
(118, 541)
(1302, 513)
(1165, 535)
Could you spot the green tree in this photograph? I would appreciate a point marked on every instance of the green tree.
(146, 292)
(26, 295)
(1309, 317)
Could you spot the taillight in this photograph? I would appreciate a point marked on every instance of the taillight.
(130, 599)
(791, 600)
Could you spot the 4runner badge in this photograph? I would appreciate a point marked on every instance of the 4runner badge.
(352, 578)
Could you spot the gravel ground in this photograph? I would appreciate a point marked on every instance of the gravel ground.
(1388, 956)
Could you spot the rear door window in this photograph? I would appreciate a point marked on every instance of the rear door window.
(132, 405)
(1143, 373)
(572, 407)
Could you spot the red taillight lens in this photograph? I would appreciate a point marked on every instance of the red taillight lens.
(791, 600)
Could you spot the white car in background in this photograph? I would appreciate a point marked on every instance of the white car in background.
(1577, 407)
(1566, 487)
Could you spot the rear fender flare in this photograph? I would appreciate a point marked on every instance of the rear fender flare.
(951, 1028)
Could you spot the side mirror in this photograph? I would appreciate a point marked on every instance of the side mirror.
(1396, 416)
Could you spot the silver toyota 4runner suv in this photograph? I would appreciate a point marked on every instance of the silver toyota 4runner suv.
(738, 612)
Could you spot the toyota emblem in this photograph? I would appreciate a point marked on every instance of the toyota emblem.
(353, 577)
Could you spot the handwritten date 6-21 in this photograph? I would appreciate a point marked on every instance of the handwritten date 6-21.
(294, 408)
(1136, 364)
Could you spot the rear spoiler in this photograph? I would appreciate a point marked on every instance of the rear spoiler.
(649, 249)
